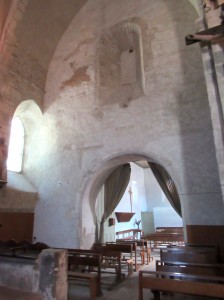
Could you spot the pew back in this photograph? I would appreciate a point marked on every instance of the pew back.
(169, 229)
(190, 268)
(188, 256)
(78, 260)
(186, 284)
(110, 259)
(126, 250)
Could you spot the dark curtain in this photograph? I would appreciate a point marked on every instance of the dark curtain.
(167, 185)
(114, 188)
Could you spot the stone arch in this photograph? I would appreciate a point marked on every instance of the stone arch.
(30, 114)
(28, 110)
(93, 185)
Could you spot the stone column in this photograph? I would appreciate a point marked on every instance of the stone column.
(53, 274)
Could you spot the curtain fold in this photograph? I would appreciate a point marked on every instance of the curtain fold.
(114, 188)
(167, 185)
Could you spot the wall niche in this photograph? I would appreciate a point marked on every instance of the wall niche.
(120, 62)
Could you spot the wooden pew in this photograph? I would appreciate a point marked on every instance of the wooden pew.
(188, 256)
(134, 249)
(212, 251)
(208, 286)
(169, 229)
(129, 234)
(110, 259)
(126, 251)
(88, 260)
(198, 248)
(190, 268)
(159, 238)
(194, 247)
(142, 248)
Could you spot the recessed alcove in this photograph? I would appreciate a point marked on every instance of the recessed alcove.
(121, 68)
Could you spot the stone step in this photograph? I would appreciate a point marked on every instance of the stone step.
(16, 294)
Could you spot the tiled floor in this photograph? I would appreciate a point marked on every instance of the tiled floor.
(126, 290)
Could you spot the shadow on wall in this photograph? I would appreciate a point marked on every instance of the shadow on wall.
(198, 158)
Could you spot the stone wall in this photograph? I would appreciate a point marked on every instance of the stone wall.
(95, 118)
(169, 123)
(46, 275)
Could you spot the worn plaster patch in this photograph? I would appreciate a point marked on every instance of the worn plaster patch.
(80, 76)
(78, 48)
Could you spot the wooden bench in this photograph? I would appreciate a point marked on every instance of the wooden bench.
(169, 229)
(188, 256)
(128, 234)
(126, 250)
(134, 249)
(208, 249)
(157, 239)
(143, 245)
(212, 251)
(190, 268)
(110, 260)
(88, 261)
(198, 248)
(180, 283)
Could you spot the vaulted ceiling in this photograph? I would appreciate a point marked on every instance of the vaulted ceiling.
(44, 23)
(41, 26)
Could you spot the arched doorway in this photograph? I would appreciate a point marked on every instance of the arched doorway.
(94, 191)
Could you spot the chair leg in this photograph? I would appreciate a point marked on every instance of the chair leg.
(93, 288)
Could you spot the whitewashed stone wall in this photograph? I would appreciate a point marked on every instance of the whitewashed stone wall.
(169, 124)
(163, 116)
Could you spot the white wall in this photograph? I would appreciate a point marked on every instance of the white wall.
(147, 196)
(166, 217)
(154, 194)
(170, 123)
(157, 203)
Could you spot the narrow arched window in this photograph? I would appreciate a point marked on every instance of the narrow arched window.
(16, 146)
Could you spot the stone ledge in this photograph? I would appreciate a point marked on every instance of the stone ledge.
(12, 294)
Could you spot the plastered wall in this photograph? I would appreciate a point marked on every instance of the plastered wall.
(81, 136)
(169, 124)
